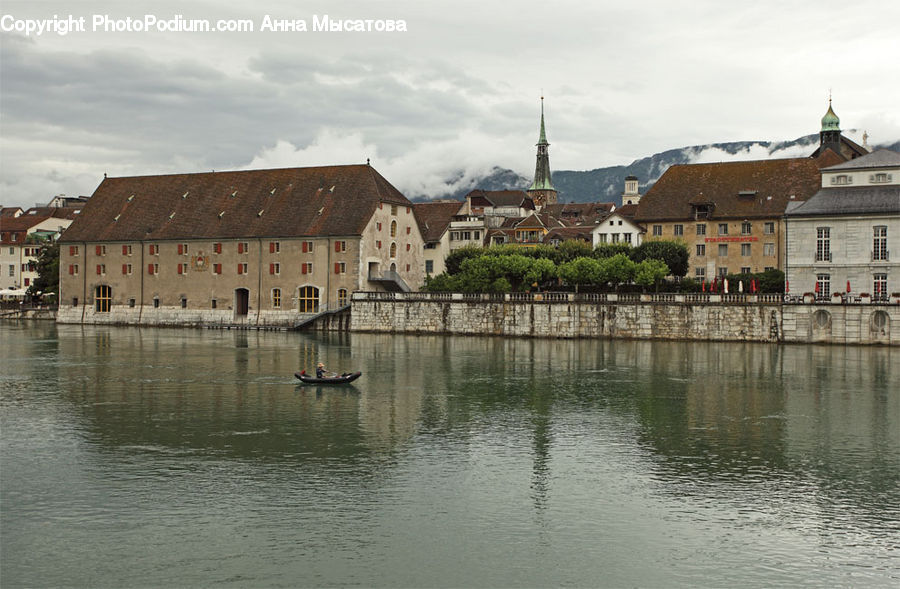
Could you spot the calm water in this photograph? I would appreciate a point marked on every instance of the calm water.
(163, 458)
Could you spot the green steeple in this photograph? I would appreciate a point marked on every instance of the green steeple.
(831, 122)
(542, 165)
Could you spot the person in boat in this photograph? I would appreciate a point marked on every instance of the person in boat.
(320, 371)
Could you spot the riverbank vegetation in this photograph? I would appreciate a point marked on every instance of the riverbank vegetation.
(575, 265)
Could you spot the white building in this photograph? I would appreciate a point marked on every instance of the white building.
(844, 234)
(617, 229)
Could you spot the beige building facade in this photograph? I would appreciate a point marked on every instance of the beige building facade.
(320, 245)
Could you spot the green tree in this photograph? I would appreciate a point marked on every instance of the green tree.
(673, 253)
(455, 259)
(616, 270)
(650, 272)
(572, 249)
(581, 271)
(608, 250)
(47, 267)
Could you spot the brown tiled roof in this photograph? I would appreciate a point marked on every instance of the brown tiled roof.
(56, 212)
(434, 217)
(736, 189)
(18, 225)
(288, 202)
(627, 211)
(9, 211)
(503, 198)
(579, 213)
(564, 233)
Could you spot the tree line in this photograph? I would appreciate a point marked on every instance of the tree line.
(576, 265)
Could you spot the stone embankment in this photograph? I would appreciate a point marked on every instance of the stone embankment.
(710, 317)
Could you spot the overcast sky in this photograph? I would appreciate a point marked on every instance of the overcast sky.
(454, 95)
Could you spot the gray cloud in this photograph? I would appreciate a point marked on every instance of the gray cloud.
(457, 94)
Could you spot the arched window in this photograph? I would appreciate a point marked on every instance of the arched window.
(308, 299)
(103, 298)
(393, 250)
(342, 297)
(393, 229)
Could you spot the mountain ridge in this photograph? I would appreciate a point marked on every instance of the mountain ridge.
(607, 184)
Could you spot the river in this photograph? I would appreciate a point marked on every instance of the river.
(184, 458)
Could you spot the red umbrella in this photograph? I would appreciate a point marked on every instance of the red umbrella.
(848, 286)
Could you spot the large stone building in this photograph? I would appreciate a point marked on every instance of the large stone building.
(265, 247)
(840, 240)
(730, 215)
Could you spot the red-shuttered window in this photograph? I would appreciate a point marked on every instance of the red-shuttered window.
(153, 269)
(101, 269)
(274, 247)
(98, 250)
(180, 250)
(73, 269)
(340, 267)
(217, 248)
(306, 268)
(407, 247)
(306, 247)
(240, 247)
(274, 268)
(73, 250)
(378, 244)
(242, 268)
(217, 268)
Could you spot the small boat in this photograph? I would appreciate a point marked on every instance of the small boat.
(339, 379)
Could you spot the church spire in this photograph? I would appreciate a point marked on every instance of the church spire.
(830, 134)
(541, 190)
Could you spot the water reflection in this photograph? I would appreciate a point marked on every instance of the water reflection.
(561, 446)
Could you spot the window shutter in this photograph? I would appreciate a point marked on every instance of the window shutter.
(149, 268)
(240, 270)
(98, 269)
(337, 267)
(124, 268)
(241, 247)
(337, 246)
(71, 269)
(303, 268)
(304, 247)
(180, 249)
(271, 268)
(271, 247)
(124, 250)
(71, 250)
(179, 269)
(98, 250)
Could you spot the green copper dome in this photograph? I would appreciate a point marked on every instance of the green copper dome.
(831, 122)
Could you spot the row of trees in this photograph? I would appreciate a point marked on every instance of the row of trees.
(511, 268)
(578, 266)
